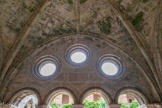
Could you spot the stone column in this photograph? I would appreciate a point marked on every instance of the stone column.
(114, 106)
(78, 106)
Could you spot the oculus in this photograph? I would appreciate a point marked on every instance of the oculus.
(46, 67)
(78, 54)
(110, 66)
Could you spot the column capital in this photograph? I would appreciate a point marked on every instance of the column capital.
(78, 106)
(114, 105)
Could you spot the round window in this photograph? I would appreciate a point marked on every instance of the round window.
(77, 54)
(110, 66)
(46, 67)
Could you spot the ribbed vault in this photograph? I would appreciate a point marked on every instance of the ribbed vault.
(132, 25)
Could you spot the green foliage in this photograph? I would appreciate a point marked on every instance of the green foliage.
(70, 2)
(134, 104)
(99, 104)
(53, 105)
(105, 25)
(82, 1)
(88, 104)
(123, 105)
(138, 21)
(67, 106)
(102, 103)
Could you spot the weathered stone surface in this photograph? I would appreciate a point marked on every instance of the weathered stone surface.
(62, 23)
(79, 78)
(14, 15)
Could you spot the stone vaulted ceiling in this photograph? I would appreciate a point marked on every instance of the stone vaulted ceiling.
(134, 26)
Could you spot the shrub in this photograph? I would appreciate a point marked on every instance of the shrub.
(54, 105)
(134, 104)
(99, 104)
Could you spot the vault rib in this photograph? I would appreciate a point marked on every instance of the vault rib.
(140, 42)
(21, 37)
(77, 15)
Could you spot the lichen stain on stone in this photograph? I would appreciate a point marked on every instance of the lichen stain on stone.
(105, 25)
(83, 1)
(138, 21)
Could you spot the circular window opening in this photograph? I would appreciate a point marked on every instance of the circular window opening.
(110, 66)
(77, 54)
(46, 67)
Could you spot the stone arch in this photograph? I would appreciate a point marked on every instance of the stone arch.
(92, 36)
(98, 91)
(52, 95)
(138, 95)
(25, 97)
(66, 36)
